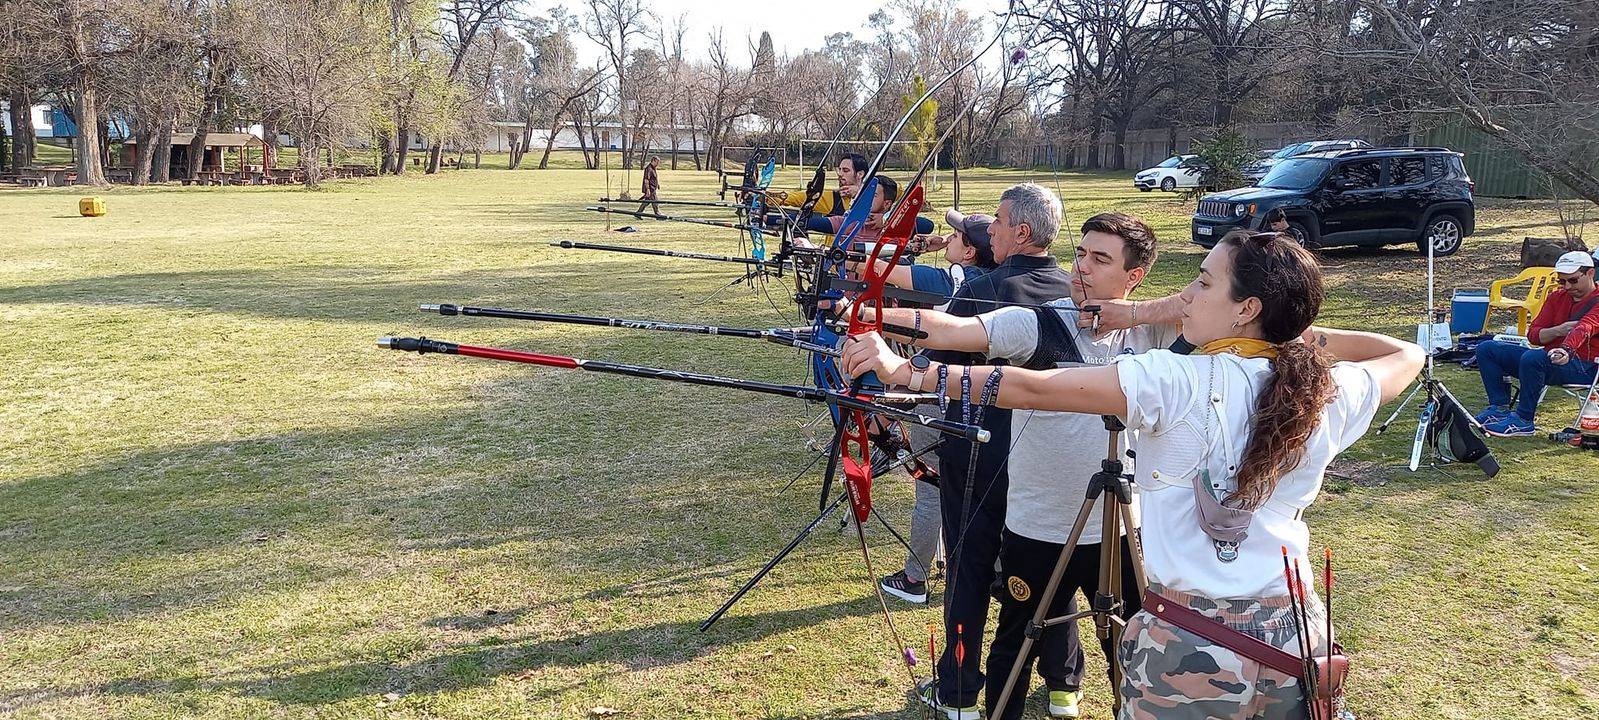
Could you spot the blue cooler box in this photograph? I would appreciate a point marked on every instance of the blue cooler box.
(1468, 311)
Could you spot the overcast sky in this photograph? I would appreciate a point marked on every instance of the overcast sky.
(795, 26)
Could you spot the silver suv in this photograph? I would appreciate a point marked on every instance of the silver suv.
(1258, 169)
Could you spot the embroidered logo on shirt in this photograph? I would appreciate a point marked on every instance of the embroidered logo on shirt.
(1018, 588)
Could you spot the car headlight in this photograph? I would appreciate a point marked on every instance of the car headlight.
(1240, 210)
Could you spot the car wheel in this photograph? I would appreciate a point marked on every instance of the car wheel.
(1301, 234)
(1443, 234)
(1168, 184)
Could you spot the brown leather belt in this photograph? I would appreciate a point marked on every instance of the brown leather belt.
(1210, 629)
(1330, 676)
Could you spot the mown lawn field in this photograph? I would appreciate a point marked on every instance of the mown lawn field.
(219, 499)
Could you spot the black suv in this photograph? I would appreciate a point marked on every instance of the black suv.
(1369, 197)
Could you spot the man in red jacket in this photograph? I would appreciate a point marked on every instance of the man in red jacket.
(1566, 336)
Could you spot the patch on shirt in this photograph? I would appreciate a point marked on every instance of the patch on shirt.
(1018, 588)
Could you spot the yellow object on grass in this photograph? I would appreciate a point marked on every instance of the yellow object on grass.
(91, 207)
(1541, 282)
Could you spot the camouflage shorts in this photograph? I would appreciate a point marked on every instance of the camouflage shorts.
(1170, 673)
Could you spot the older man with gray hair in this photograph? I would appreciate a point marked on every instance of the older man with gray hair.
(1027, 221)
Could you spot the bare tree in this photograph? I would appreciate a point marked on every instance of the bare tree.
(81, 25)
(26, 27)
(1238, 45)
(670, 37)
(152, 71)
(725, 95)
(1115, 48)
(615, 25)
(308, 61)
(1526, 74)
(403, 73)
(584, 87)
(463, 21)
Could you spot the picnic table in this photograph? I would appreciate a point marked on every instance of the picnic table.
(284, 176)
(211, 177)
(119, 175)
(57, 176)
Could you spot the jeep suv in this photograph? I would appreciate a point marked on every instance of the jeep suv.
(1373, 197)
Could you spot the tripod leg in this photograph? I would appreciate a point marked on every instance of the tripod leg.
(1108, 600)
(1135, 545)
(826, 511)
(1045, 600)
(1427, 411)
(1400, 408)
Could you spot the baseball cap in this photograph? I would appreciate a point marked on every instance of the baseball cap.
(1574, 261)
(974, 228)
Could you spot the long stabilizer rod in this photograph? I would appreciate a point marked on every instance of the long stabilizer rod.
(972, 433)
(673, 218)
(791, 337)
(693, 203)
(574, 245)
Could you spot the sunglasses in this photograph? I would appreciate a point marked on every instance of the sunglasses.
(1573, 280)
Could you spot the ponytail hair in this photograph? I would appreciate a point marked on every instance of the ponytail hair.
(1287, 280)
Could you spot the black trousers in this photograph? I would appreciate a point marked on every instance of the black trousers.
(649, 201)
(1025, 566)
(971, 547)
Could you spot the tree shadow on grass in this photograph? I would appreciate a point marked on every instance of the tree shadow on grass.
(132, 534)
(630, 649)
(322, 292)
(635, 649)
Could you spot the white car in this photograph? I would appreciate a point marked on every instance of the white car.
(1178, 172)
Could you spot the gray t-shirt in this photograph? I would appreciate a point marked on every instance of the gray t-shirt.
(1055, 453)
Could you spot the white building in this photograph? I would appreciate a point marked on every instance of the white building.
(41, 120)
(659, 138)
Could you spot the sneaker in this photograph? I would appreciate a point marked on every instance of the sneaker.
(927, 692)
(1063, 703)
(903, 587)
(1492, 413)
(1510, 426)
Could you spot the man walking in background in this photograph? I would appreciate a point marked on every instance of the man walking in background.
(652, 185)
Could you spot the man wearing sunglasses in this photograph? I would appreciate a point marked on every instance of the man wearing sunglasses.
(1566, 339)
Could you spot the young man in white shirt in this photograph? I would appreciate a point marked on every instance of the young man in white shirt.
(1053, 454)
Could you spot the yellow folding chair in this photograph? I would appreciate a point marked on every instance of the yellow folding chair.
(1541, 282)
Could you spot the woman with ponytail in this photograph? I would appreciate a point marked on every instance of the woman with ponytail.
(1232, 444)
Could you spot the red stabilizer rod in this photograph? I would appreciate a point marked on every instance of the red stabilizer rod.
(972, 433)
(424, 345)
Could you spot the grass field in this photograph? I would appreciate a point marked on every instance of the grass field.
(218, 499)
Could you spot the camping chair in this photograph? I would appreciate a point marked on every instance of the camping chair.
(1541, 282)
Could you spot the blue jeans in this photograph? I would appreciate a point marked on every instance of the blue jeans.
(1532, 367)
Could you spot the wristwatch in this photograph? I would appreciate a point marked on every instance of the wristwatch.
(919, 366)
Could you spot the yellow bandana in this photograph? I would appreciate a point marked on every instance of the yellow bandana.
(1240, 346)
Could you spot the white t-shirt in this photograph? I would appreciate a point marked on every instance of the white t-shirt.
(1169, 397)
(1054, 454)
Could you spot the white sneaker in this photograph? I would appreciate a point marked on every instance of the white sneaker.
(901, 586)
(927, 692)
(1063, 703)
